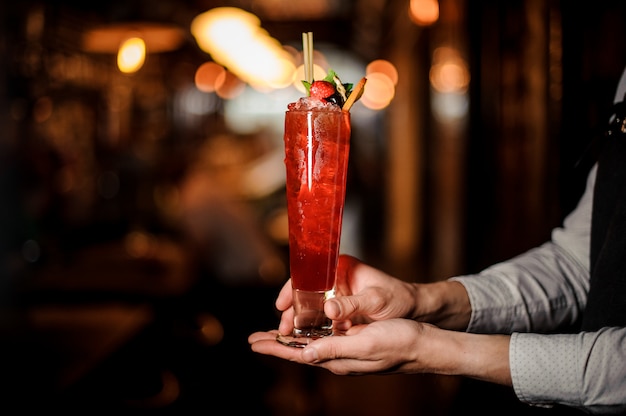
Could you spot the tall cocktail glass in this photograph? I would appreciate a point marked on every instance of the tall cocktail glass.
(317, 144)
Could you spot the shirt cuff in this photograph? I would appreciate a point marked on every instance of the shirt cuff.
(544, 368)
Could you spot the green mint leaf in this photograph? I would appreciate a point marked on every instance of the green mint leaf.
(330, 77)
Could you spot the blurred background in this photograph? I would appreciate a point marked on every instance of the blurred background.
(142, 217)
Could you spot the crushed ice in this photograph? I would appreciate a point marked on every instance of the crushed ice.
(310, 103)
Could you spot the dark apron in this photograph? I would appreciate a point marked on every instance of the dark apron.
(606, 302)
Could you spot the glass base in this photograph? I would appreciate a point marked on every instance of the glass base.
(298, 341)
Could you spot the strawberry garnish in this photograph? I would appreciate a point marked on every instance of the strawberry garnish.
(332, 90)
(321, 89)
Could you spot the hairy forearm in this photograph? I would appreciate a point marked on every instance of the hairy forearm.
(483, 357)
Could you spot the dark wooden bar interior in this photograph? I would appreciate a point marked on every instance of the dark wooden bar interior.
(142, 237)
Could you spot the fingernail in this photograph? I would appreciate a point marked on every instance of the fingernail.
(310, 355)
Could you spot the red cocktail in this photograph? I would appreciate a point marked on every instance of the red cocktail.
(317, 144)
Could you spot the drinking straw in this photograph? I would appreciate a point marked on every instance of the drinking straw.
(307, 51)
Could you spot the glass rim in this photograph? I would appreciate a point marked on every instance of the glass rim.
(318, 110)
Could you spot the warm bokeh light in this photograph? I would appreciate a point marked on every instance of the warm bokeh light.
(424, 12)
(228, 85)
(234, 38)
(287, 68)
(211, 330)
(379, 91)
(207, 76)
(449, 71)
(449, 79)
(384, 67)
(158, 37)
(382, 78)
(298, 76)
(139, 244)
(131, 55)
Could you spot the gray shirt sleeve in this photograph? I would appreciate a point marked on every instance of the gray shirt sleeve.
(584, 370)
(536, 294)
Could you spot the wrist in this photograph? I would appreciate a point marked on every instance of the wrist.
(485, 357)
(478, 356)
(445, 304)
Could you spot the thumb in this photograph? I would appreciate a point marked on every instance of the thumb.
(344, 307)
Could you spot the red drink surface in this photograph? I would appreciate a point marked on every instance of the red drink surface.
(317, 145)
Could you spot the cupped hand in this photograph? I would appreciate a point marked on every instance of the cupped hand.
(363, 294)
(382, 347)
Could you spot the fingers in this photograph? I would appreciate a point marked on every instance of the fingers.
(325, 352)
(366, 303)
(265, 343)
(329, 348)
(333, 309)
(285, 297)
(341, 355)
(286, 321)
(262, 336)
(342, 326)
